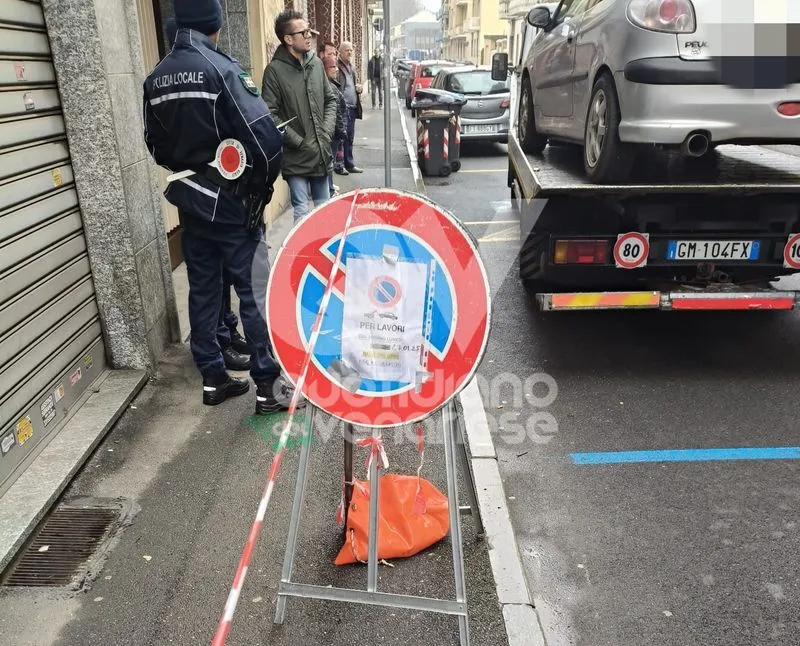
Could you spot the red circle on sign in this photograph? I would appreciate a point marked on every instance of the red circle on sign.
(457, 255)
(787, 255)
(229, 159)
(637, 237)
(382, 297)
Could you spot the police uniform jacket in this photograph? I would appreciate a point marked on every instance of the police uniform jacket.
(194, 99)
(301, 90)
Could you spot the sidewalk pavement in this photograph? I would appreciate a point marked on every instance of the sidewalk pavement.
(190, 478)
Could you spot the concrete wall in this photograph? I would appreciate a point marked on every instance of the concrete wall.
(97, 55)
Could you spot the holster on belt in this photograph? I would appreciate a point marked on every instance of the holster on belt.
(254, 196)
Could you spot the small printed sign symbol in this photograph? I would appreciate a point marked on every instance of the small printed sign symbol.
(385, 292)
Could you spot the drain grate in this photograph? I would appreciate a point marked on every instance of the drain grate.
(60, 551)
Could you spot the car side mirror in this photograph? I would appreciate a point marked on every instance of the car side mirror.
(499, 67)
(539, 17)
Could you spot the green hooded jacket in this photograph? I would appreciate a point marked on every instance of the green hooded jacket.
(292, 89)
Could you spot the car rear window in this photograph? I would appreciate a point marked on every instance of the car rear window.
(476, 82)
(430, 71)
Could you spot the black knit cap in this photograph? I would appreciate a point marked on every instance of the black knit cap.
(204, 16)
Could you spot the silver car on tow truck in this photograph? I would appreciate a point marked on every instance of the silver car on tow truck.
(619, 75)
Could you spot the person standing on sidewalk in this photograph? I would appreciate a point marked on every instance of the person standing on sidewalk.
(327, 50)
(340, 133)
(294, 85)
(234, 346)
(375, 74)
(195, 98)
(352, 89)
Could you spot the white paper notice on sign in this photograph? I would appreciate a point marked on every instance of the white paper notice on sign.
(384, 313)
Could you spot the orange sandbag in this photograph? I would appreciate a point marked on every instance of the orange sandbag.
(405, 527)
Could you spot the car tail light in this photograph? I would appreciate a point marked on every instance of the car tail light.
(670, 16)
(581, 252)
(506, 103)
(790, 109)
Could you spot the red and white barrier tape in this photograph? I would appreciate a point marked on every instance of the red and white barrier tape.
(377, 450)
(244, 563)
(426, 144)
(458, 130)
(446, 143)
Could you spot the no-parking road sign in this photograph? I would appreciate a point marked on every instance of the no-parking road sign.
(409, 312)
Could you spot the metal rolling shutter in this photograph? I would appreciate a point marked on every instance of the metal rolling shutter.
(50, 336)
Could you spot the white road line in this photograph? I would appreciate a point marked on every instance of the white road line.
(495, 240)
(505, 235)
(469, 223)
(488, 170)
(521, 620)
(412, 151)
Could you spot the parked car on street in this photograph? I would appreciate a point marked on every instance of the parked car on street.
(423, 75)
(486, 115)
(616, 75)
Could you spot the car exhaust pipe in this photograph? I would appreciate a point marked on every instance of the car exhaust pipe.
(695, 145)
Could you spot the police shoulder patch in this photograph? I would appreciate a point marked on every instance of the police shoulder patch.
(247, 81)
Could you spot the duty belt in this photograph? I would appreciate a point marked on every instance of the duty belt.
(254, 201)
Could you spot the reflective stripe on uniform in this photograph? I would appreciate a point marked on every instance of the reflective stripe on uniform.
(202, 189)
(184, 95)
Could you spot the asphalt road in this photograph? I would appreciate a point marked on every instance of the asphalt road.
(639, 554)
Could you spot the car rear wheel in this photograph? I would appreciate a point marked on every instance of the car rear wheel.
(605, 158)
(532, 142)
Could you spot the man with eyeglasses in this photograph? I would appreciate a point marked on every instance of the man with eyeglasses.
(295, 86)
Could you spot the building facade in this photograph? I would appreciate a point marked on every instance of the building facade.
(418, 37)
(473, 30)
(88, 244)
(337, 21)
(515, 13)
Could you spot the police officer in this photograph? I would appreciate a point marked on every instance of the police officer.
(195, 98)
(234, 346)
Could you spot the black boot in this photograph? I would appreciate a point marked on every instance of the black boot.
(234, 360)
(239, 343)
(275, 396)
(217, 389)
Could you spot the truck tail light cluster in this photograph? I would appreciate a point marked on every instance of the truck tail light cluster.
(581, 252)
(506, 103)
(670, 16)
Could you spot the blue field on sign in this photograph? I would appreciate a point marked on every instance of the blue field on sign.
(688, 455)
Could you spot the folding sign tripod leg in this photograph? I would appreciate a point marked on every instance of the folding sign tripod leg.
(472, 492)
(374, 493)
(297, 506)
(349, 435)
(449, 421)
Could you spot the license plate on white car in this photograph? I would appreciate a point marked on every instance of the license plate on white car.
(476, 130)
(737, 250)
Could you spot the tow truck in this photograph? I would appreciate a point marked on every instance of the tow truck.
(713, 233)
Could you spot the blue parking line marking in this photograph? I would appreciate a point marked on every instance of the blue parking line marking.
(688, 455)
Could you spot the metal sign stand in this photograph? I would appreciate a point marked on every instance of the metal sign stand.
(454, 449)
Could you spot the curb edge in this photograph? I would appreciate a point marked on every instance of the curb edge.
(412, 151)
(521, 619)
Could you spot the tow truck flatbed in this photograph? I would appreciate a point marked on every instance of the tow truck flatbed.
(736, 169)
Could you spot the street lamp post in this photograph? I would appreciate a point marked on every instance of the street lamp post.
(387, 91)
